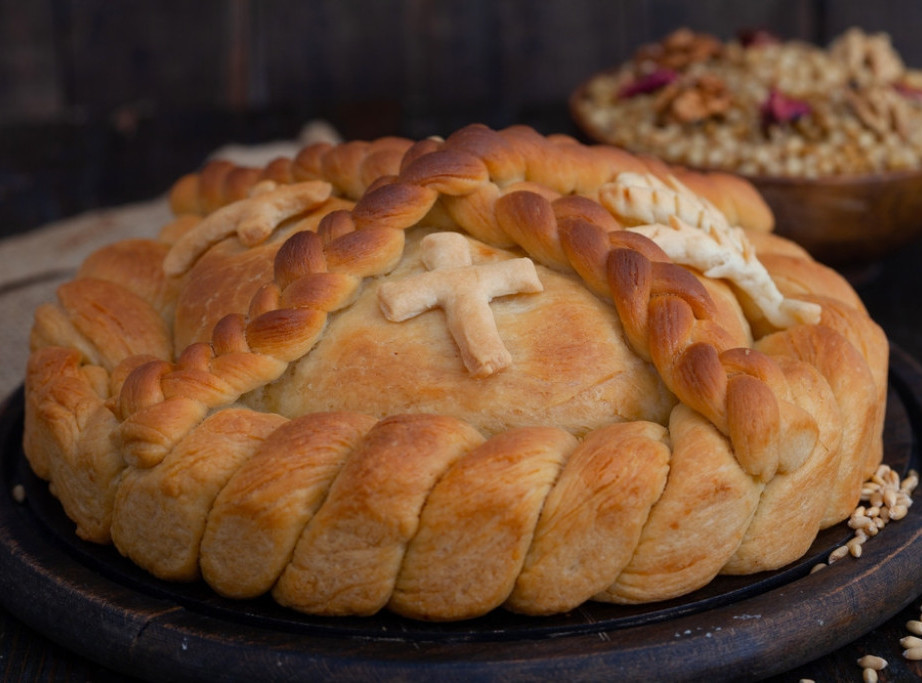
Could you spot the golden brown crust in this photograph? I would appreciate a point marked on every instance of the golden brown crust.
(349, 555)
(485, 507)
(105, 321)
(567, 344)
(698, 522)
(857, 394)
(137, 266)
(592, 519)
(271, 498)
(162, 396)
(159, 514)
(789, 513)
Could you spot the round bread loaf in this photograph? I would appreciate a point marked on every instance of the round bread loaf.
(442, 377)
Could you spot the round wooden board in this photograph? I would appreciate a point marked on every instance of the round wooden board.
(94, 602)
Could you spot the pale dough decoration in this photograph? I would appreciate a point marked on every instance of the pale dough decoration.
(693, 232)
(644, 199)
(252, 219)
(463, 291)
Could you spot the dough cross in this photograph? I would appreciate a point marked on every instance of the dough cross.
(463, 291)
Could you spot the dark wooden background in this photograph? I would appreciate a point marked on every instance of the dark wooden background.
(103, 103)
(106, 102)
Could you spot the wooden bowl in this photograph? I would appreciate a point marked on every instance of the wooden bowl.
(847, 220)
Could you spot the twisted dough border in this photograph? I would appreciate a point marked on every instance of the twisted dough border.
(508, 188)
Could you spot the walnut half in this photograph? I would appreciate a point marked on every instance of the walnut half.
(691, 100)
(679, 49)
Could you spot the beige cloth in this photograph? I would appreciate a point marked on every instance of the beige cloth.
(34, 264)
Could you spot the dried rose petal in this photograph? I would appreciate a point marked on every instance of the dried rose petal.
(649, 83)
(908, 91)
(779, 108)
(756, 37)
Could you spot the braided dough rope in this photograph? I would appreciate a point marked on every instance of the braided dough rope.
(284, 321)
(748, 423)
(391, 205)
(102, 326)
(349, 167)
(527, 218)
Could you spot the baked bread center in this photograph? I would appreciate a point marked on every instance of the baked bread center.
(569, 366)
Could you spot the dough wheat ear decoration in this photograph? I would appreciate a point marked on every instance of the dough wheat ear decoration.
(726, 253)
(464, 292)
